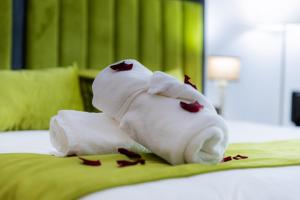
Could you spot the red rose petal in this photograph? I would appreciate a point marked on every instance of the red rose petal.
(125, 163)
(239, 157)
(187, 81)
(72, 155)
(90, 162)
(191, 107)
(242, 157)
(129, 154)
(226, 159)
(122, 66)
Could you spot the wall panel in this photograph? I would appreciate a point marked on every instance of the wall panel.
(5, 33)
(151, 33)
(73, 32)
(127, 29)
(42, 33)
(101, 31)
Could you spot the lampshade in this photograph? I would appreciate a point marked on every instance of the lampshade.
(223, 68)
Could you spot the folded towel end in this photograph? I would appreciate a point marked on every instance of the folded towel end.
(207, 147)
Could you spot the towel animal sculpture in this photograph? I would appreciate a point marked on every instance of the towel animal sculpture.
(171, 119)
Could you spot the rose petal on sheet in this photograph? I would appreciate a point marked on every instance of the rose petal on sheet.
(122, 66)
(129, 154)
(239, 157)
(72, 155)
(242, 157)
(90, 162)
(191, 107)
(226, 159)
(126, 163)
(187, 81)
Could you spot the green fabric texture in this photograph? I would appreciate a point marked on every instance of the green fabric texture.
(127, 29)
(89, 73)
(42, 34)
(73, 33)
(5, 33)
(177, 73)
(28, 98)
(34, 176)
(101, 29)
(162, 34)
(193, 41)
(86, 78)
(173, 37)
(151, 34)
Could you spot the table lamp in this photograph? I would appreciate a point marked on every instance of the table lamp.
(223, 69)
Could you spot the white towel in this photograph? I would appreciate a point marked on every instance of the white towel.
(148, 108)
(113, 91)
(83, 133)
(166, 85)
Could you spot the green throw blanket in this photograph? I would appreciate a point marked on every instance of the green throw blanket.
(35, 176)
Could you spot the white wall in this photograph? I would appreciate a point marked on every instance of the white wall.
(255, 97)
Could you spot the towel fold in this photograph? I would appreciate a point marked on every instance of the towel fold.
(83, 133)
(147, 106)
(113, 91)
(163, 84)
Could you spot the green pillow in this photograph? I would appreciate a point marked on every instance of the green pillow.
(28, 98)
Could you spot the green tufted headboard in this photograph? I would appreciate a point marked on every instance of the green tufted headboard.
(162, 34)
(5, 33)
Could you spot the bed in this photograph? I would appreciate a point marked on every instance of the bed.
(167, 35)
(261, 183)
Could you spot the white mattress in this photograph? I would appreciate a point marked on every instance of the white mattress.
(263, 183)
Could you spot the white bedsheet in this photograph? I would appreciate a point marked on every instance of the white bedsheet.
(280, 183)
(25, 142)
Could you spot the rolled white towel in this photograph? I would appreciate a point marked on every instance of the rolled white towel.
(152, 115)
(83, 133)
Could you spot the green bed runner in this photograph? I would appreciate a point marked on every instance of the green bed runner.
(35, 176)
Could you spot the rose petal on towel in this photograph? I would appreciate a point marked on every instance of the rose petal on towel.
(191, 107)
(122, 66)
(125, 163)
(226, 159)
(129, 154)
(90, 162)
(239, 157)
(187, 81)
